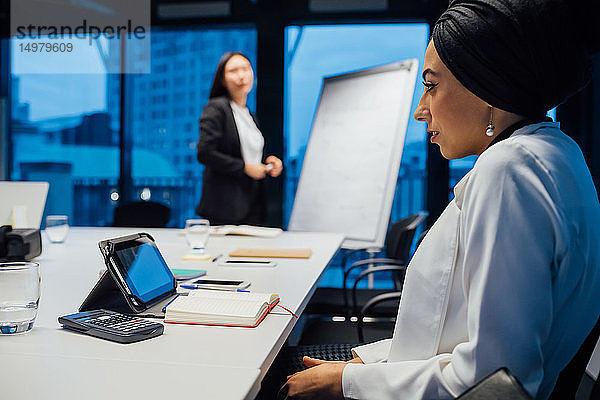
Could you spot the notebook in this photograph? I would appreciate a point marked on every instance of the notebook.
(215, 307)
(245, 230)
(182, 274)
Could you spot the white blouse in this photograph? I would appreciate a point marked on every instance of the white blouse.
(508, 276)
(251, 139)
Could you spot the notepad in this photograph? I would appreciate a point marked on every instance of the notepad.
(196, 257)
(214, 307)
(272, 253)
(245, 230)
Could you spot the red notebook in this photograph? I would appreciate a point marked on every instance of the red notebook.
(214, 307)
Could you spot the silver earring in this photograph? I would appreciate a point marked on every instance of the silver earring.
(490, 128)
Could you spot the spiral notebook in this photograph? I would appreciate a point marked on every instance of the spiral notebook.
(214, 307)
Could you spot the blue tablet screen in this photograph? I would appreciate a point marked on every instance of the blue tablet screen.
(146, 272)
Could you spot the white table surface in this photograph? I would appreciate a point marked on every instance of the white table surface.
(70, 270)
(65, 378)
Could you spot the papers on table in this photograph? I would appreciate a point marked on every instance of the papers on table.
(245, 230)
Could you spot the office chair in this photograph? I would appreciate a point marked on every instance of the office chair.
(335, 301)
(595, 395)
(566, 385)
(499, 385)
(320, 329)
(142, 214)
(372, 309)
(571, 376)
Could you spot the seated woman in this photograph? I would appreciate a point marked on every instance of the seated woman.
(509, 275)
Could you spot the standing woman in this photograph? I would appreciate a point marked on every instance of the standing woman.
(231, 148)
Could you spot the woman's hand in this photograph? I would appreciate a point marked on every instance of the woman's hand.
(277, 166)
(322, 380)
(255, 171)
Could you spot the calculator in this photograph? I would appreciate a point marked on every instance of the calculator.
(110, 325)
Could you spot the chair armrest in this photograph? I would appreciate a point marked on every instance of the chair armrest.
(499, 385)
(371, 262)
(358, 264)
(370, 304)
(378, 268)
(372, 270)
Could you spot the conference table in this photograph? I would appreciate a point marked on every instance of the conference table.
(212, 362)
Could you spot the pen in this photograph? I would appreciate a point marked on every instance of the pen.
(212, 288)
(215, 258)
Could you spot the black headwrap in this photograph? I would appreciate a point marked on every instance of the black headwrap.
(522, 56)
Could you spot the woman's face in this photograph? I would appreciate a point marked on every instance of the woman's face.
(456, 118)
(238, 76)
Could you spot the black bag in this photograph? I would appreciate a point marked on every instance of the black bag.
(19, 244)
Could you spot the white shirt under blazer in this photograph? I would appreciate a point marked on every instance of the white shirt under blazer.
(508, 276)
(251, 140)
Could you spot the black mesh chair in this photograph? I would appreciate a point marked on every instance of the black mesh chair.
(571, 376)
(142, 214)
(565, 388)
(342, 327)
(595, 394)
(335, 301)
(500, 385)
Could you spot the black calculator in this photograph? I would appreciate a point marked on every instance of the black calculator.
(110, 325)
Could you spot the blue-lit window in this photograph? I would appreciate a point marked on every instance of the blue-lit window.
(65, 130)
(313, 52)
(165, 131)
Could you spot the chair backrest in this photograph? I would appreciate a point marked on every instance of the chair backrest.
(595, 395)
(570, 377)
(399, 238)
(143, 214)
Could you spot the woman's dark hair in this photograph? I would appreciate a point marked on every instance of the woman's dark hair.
(218, 88)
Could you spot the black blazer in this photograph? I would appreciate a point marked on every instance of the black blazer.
(227, 192)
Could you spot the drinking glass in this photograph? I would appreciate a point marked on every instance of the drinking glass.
(196, 234)
(19, 296)
(57, 228)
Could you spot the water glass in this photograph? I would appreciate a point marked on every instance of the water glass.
(196, 234)
(57, 228)
(19, 296)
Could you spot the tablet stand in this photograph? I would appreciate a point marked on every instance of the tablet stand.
(107, 294)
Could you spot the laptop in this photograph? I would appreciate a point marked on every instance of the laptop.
(22, 203)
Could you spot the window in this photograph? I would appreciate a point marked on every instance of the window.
(65, 130)
(164, 143)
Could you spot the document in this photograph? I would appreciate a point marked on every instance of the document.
(272, 253)
(245, 230)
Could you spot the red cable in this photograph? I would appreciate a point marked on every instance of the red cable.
(287, 310)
